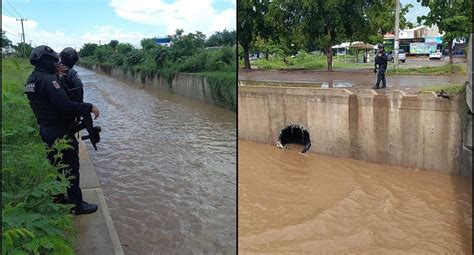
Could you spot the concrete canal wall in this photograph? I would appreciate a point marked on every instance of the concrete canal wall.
(420, 131)
(184, 84)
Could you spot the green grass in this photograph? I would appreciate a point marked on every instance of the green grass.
(450, 89)
(31, 222)
(308, 62)
(223, 87)
(433, 70)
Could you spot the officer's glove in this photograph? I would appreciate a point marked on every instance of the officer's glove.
(375, 70)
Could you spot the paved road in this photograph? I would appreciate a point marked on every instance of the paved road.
(357, 79)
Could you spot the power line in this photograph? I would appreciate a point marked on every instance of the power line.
(8, 1)
(12, 33)
(7, 11)
(7, 26)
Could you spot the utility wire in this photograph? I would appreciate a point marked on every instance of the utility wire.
(7, 11)
(8, 1)
(9, 28)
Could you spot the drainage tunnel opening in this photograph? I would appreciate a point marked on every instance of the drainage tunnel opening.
(294, 134)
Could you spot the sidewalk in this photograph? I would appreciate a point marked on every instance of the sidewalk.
(96, 232)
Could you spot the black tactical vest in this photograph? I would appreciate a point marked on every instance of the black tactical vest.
(46, 114)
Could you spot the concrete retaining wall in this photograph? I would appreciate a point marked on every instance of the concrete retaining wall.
(184, 84)
(421, 131)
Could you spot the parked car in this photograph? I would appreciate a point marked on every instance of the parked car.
(401, 55)
(436, 55)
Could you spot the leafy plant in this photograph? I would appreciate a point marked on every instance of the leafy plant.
(31, 222)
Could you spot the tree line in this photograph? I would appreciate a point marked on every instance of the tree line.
(285, 27)
(190, 52)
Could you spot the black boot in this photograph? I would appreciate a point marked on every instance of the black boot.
(85, 208)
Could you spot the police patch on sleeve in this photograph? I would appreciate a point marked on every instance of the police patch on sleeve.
(56, 84)
(30, 88)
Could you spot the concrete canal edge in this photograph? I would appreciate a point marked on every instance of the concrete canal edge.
(418, 131)
(188, 85)
(96, 232)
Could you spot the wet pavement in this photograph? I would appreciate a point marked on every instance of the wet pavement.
(356, 79)
(292, 203)
(167, 167)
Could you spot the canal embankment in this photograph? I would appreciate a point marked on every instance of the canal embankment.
(418, 131)
(209, 88)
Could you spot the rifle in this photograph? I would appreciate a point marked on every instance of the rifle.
(94, 131)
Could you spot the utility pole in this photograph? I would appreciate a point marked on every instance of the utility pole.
(397, 23)
(22, 33)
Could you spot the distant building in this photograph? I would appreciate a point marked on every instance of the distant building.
(165, 41)
(7, 50)
(420, 40)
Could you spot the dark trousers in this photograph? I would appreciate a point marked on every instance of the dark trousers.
(381, 77)
(70, 159)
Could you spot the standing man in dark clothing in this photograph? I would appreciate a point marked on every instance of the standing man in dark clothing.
(381, 60)
(55, 112)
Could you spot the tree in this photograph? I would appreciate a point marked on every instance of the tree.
(246, 27)
(221, 38)
(88, 50)
(330, 22)
(381, 15)
(148, 43)
(5, 41)
(103, 54)
(124, 48)
(452, 18)
(160, 54)
(23, 49)
(113, 44)
(186, 45)
(281, 30)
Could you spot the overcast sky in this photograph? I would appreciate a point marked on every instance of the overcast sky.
(72, 23)
(416, 11)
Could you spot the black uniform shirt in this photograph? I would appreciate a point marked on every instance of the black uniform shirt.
(50, 103)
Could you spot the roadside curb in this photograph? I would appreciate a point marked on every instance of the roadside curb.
(96, 232)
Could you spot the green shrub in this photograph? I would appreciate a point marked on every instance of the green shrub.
(31, 222)
(435, 70)
(223, 88)
(450, 89)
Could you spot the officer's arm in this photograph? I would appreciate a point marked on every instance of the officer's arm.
(77, 85)
(59, 99)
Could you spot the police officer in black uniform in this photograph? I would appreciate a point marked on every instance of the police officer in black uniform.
(56, 113)
(74, 85)
(381, 60)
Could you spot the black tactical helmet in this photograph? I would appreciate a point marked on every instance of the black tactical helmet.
(380, 46)
(40, 51)
(69, 54)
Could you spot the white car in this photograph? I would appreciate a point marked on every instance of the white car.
(401, 55)
(436, 55)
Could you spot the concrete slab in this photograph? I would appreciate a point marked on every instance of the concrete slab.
(96, 232)
(466, 162)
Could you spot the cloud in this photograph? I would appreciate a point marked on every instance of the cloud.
(189, 15)
(58, 39)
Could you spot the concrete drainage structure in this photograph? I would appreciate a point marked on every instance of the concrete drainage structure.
(420, 131)
(294, 134)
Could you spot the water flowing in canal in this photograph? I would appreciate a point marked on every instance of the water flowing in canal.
(292, 203)
(167, 167)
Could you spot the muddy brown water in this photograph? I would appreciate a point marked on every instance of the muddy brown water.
(167, 166)
(292, 203)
